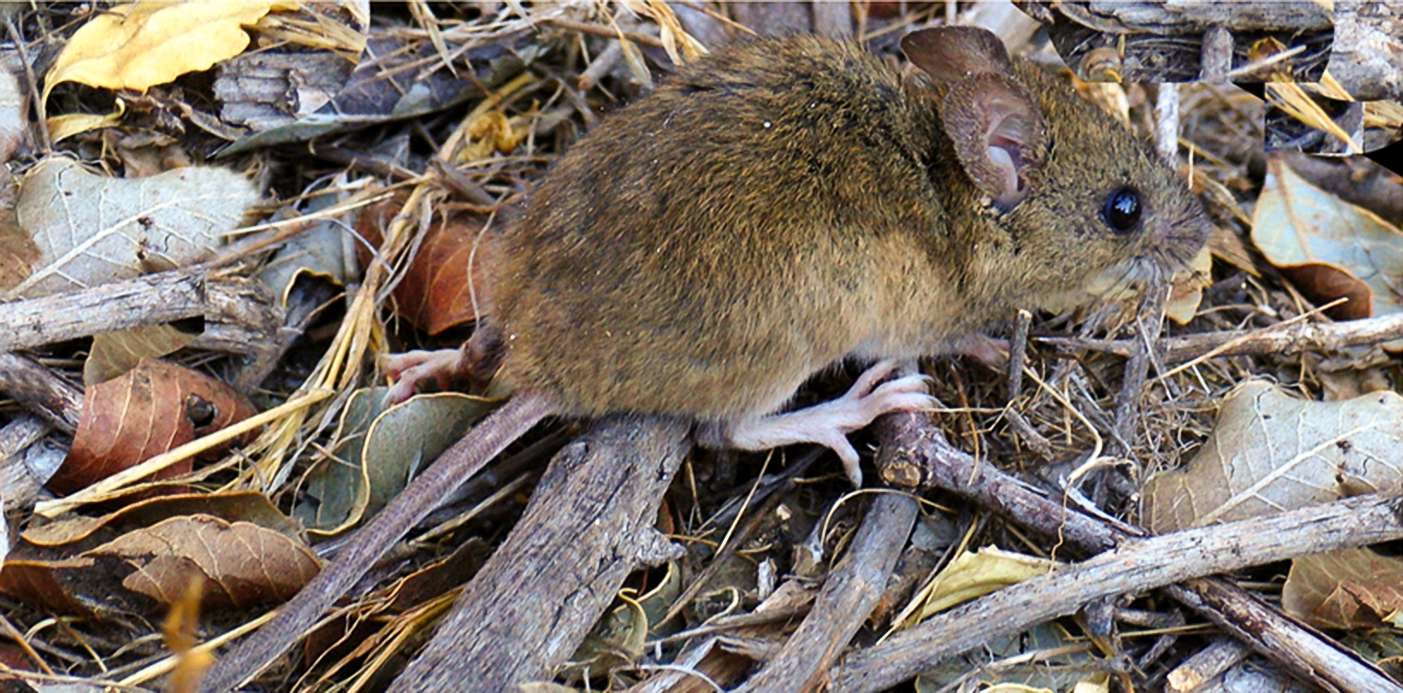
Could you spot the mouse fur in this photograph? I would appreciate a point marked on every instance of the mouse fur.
(785, 203)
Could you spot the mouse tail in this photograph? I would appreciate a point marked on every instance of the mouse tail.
(455, 466)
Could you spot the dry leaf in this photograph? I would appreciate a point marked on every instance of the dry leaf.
(115, 353)
(974, 574)
(230, 506)
(151, 409)
(18, 253)
(1271, 452)
(91, 229)
(434, 294)
(379, 451)
(62, 127)
(319, 251)
(1186, 292)
(242, 564)
(142, 44)
(1348, 588)
(1330, 248)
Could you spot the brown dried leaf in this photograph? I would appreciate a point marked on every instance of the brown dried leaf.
(230, 506)
(18, 254)
(242, 564)
(149, 410)
(239, 564)
(1330, 248)
(434, 294)
(1270, 452)
(1350, 588)
(69, 586)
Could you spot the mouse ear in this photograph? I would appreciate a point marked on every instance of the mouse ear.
(952, 53)
(998, 133)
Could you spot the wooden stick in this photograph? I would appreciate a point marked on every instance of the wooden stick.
(849, 594)
(1297, 338)
(1138, 566)
(921, 457)
(588, 525)
(1205, 665)
(41, 391)
(146, 300)
(452, 467)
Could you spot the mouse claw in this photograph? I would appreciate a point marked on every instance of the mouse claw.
(413, 370)
(829, 424)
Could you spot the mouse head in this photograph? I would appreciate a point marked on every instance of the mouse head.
(1067, 194)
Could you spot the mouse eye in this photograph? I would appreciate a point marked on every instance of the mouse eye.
(1122, 209)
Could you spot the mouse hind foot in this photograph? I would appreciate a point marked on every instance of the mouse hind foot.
(469, 366)
(827, 424)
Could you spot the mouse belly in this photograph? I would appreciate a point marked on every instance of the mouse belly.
(610, 371)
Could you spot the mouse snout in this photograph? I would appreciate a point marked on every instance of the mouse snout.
(1183, 233)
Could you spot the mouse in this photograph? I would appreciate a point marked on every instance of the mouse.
(775, 208)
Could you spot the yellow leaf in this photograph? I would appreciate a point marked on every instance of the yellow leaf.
(64, 126)
(143, 44)
(973, 575)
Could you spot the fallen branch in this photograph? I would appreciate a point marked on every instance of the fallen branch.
(41, 391)
(588, 525)
(1292, 339)
(147, 300)
(1139, 566)
(921, 457)
(849, 593)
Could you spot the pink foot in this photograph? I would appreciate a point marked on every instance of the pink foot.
(413, 369)
(828, 424)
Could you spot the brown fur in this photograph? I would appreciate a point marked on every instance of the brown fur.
(783, 204)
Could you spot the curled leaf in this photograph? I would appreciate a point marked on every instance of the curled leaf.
(1329, 248)
(149, 410)
(1270, 452)
(1348, 588)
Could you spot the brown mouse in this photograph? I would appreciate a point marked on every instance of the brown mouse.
(774, 209)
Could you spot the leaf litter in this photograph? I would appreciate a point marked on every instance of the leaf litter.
(327, 183)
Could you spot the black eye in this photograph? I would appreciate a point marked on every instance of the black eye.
(1122, 210)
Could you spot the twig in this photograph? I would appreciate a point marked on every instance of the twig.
(1287, 340)
(1306, 654)
(1149, 322)
(1017, 356)
(418, 499)
(606, 32)
(588, 525)
(43, 392)
(1141, 565)
(848, 596)
(1205, 665)
(148, 300)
